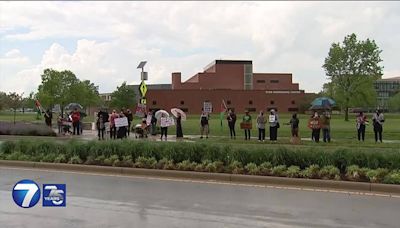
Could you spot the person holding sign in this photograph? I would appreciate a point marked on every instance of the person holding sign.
(231, 123)
(164, 122)
(113, 128)
(246, 125)
(315, 125)
(273, 125)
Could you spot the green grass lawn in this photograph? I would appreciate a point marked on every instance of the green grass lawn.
(342, 132)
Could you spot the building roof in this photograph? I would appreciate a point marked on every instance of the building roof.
(390, 79)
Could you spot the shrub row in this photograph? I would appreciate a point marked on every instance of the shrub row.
(340, 158)
(377, 166)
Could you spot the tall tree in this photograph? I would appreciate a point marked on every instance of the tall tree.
(63, 87)
(124, 96)
(352, 67)
(14, 102)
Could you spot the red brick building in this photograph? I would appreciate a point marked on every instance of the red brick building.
(232, 81)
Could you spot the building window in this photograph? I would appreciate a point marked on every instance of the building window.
(251, 109)
(272, 102)
(154, 102)
(250, 102)
(228, 102)
(274, 81)
(260, 81)
(293, 102)
(184, 109)
(182, 103)
(293, 109)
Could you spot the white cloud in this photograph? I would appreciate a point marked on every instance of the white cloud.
(112, 38)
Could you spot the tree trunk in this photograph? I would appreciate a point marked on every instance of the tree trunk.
(346, 114)
(15, 112)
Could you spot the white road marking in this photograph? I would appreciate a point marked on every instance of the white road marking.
(213, 182)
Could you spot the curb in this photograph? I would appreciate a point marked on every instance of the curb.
(224, 177)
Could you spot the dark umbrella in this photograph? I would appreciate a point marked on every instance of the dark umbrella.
(72, 106)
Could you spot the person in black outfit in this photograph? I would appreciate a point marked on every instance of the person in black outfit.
(378, 120)
(179, 133)
(153, 124)
(231, 123)
(48, 116)
(129, 115)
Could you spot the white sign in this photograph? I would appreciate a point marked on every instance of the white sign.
(164, 122)
(171, 121)
(148, 120)
(207, 107)
(271, 118)
(121, 122)
(167, 121)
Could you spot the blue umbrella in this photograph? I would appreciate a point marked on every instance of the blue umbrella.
(323, 102)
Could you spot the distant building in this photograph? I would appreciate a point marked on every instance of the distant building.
(230, 80)
(385, 89)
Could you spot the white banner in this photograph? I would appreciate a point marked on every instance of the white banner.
(121, 122)
(167, 121)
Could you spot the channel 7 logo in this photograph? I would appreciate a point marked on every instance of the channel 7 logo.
(26, 194)
(54, 195)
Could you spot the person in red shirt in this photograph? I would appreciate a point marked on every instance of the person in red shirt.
(76, 117)
(113, 129)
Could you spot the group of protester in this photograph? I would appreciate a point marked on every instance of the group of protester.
(64, 124)
(104, 118)
(316, 123)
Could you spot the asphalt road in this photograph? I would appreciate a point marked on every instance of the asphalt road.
(117, 201)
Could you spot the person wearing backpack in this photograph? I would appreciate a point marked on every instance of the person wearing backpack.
(204, 127)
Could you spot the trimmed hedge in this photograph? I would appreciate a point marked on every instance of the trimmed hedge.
(198, 152)
(377, 166)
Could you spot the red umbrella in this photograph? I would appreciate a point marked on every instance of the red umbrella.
(175, 112)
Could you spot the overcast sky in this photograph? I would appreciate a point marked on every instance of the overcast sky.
(105, 41)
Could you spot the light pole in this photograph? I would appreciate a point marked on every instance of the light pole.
(142, 86)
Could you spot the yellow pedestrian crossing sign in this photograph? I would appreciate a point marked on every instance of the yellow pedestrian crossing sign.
(143, 89)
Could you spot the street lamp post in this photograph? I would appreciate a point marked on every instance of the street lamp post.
(142, 86)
